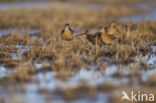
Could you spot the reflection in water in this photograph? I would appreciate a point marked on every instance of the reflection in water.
(48, 81)
(150, 58)
(29, 92)
(147, 74)
(5, 72)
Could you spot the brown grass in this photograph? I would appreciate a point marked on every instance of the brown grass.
(66, 57)
(47, 17)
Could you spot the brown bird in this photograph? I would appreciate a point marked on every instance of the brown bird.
(106, 39)
(112, 30)
(67, 33)
(92, 38)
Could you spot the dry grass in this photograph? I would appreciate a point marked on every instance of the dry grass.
(48, 17)
(66, 57)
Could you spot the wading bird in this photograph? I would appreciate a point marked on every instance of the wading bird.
(112, 29)
(67, 33)
(106, 39)
(92, 38)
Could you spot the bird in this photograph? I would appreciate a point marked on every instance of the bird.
(90, 37)
(67, 33)
(112, 29)
(106, 39)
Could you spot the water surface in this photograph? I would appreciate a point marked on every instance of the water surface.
(12, 31)
(24, 5)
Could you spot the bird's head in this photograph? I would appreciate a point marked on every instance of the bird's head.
(113, 25)
(66, 25)
(88, 32)
(102, 30)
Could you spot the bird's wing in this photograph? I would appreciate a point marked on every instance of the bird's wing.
(111, 36)
(62, 31)
(71, 30)
(97, 34)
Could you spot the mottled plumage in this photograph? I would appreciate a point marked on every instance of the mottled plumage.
(92, 38)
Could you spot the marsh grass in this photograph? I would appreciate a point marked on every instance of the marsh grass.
(47, 17)
(67, 57)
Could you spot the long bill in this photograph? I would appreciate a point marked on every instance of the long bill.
(79, 34)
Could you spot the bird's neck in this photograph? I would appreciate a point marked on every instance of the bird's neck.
(102, 33)
(112, 27)
(66, 28)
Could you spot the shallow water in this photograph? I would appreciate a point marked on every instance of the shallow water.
(22, 48)
(47, 81)
(137, 18)
(5, 72)
(24, 5)
(30, 92)
(148, 16)
(12, 31)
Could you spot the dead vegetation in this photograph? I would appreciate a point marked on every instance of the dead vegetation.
(67, 57)
(133, 39)
(47, 17)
